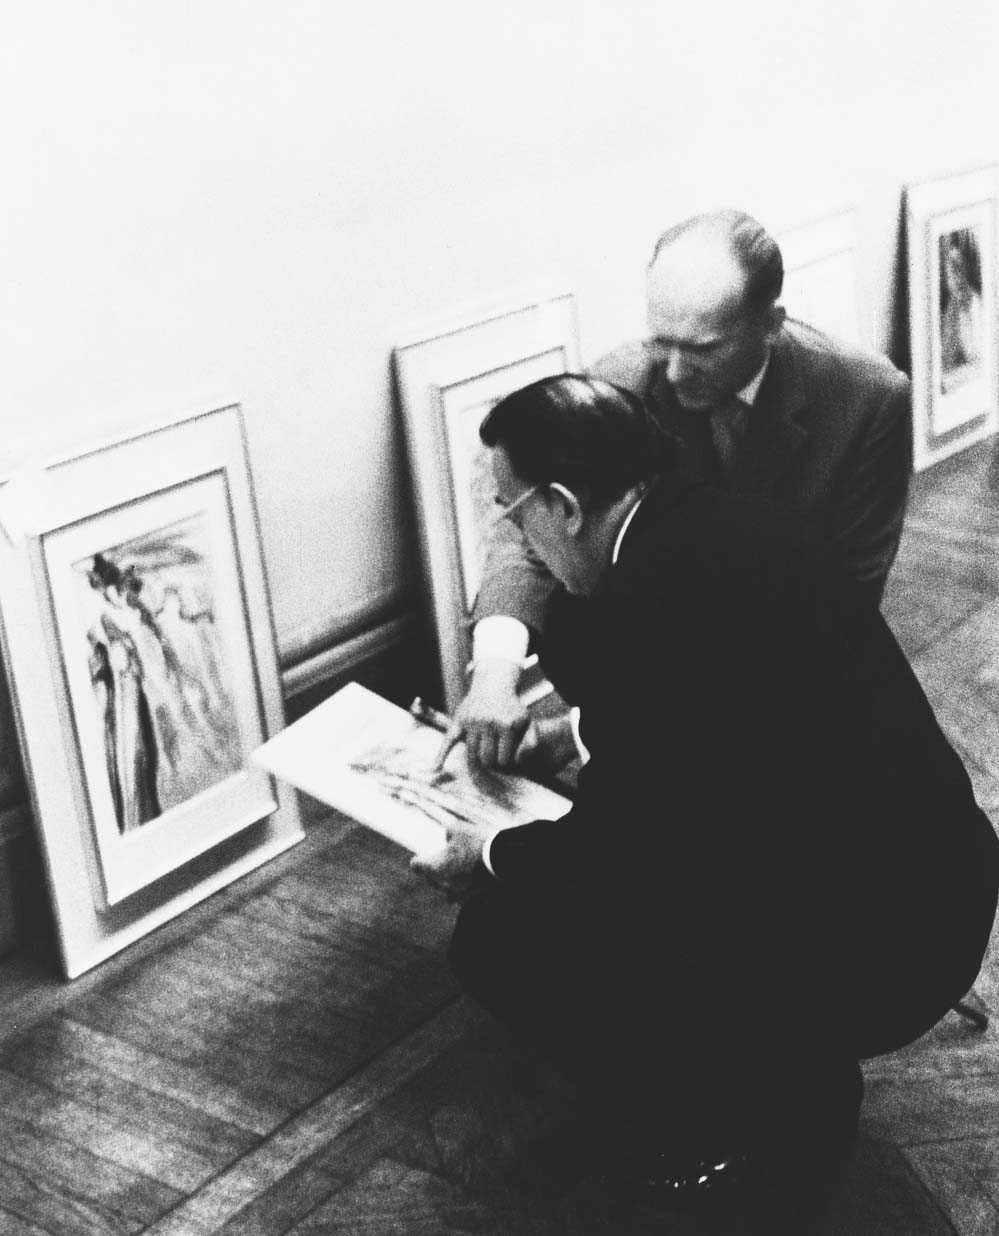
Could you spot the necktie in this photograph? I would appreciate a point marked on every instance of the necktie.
(728, 426)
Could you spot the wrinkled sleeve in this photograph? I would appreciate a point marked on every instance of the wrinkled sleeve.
(514, 581)
(876, 489)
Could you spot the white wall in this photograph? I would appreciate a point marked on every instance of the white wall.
(258, 196)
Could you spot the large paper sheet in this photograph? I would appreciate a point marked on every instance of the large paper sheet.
(372, 761)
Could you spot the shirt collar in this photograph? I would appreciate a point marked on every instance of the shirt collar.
(752, 388)
(624, 528)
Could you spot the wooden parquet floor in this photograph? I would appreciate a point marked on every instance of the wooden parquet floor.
(293, 1056)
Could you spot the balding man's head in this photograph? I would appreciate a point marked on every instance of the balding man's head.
(746, 241)
(713, 283)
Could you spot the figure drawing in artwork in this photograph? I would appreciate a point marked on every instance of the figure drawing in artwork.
(960, 307)
(158, 674)
(452, 797)
(129, 742)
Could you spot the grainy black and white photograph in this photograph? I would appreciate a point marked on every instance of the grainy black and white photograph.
(499, 618)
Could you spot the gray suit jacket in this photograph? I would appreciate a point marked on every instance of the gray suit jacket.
(829, 439)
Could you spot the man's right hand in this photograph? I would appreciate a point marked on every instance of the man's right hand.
(491, 718)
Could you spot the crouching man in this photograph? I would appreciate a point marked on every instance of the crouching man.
(774, 866)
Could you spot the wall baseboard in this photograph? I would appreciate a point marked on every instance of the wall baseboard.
(393, 656)
(343, 658)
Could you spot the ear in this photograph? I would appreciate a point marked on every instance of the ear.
(569, 506)
(776, 316)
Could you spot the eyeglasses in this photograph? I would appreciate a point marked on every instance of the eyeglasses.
(505, 512)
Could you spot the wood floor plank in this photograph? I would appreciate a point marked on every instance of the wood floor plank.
(948, 559)
(56, 1210)
(160, 1116)
(987, 983)
(373, 987)
(155, 1072)
(879, 1194)
(195, 994)
(477, 1112)
(920, 616)
(319, 926)
(123, 1143)
(391, 1197)
(215, 1204)
(79, 1171)
(964, 1177)
(949, 550)
(911, 1109)
(14, 1225)
(175, 979)
(258, 947)
(298, 1192)
(960, 675)
(259, 1067)
(968, 650)
(953, 1048)
(367, 881)
(396, 1125)
(277, 1208)
(260, 1039)
(353, 973)
(986, 788)
(967, 718)
(318, 909)
(31, 986)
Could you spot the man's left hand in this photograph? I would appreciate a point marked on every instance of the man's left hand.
(452, 868)
(548, 746)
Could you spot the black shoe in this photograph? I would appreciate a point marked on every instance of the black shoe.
(665, 1178)
(694, 1181)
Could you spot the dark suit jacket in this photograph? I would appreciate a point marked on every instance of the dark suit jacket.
(769, 793)
(829, 439)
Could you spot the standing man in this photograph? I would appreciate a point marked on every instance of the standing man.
(774, 865)
(762, 407)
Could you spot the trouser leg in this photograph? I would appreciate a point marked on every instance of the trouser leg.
(676, 1049)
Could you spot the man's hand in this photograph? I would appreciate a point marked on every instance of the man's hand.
(548, 745)
(452, 868)
(491, 719)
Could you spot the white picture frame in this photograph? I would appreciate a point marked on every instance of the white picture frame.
(820, 276)
(952, 234)
(448, 378)
(139, 650)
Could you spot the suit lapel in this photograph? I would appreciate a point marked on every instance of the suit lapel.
(777, 425)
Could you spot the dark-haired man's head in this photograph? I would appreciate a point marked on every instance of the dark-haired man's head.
(570, 457)
(713, 285)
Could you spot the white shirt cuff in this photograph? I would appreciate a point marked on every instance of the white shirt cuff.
(486, 845)
(501, 637)
(584, 755)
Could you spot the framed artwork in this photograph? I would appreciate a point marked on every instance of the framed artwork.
(820, 276)
(951, 230)
(448, 380)
(140, 654)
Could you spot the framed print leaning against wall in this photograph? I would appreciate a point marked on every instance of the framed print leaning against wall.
(952, 232)
(820, 276)
(139, 648)
(448, 380)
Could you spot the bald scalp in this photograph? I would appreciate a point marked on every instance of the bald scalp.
(726, 244)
